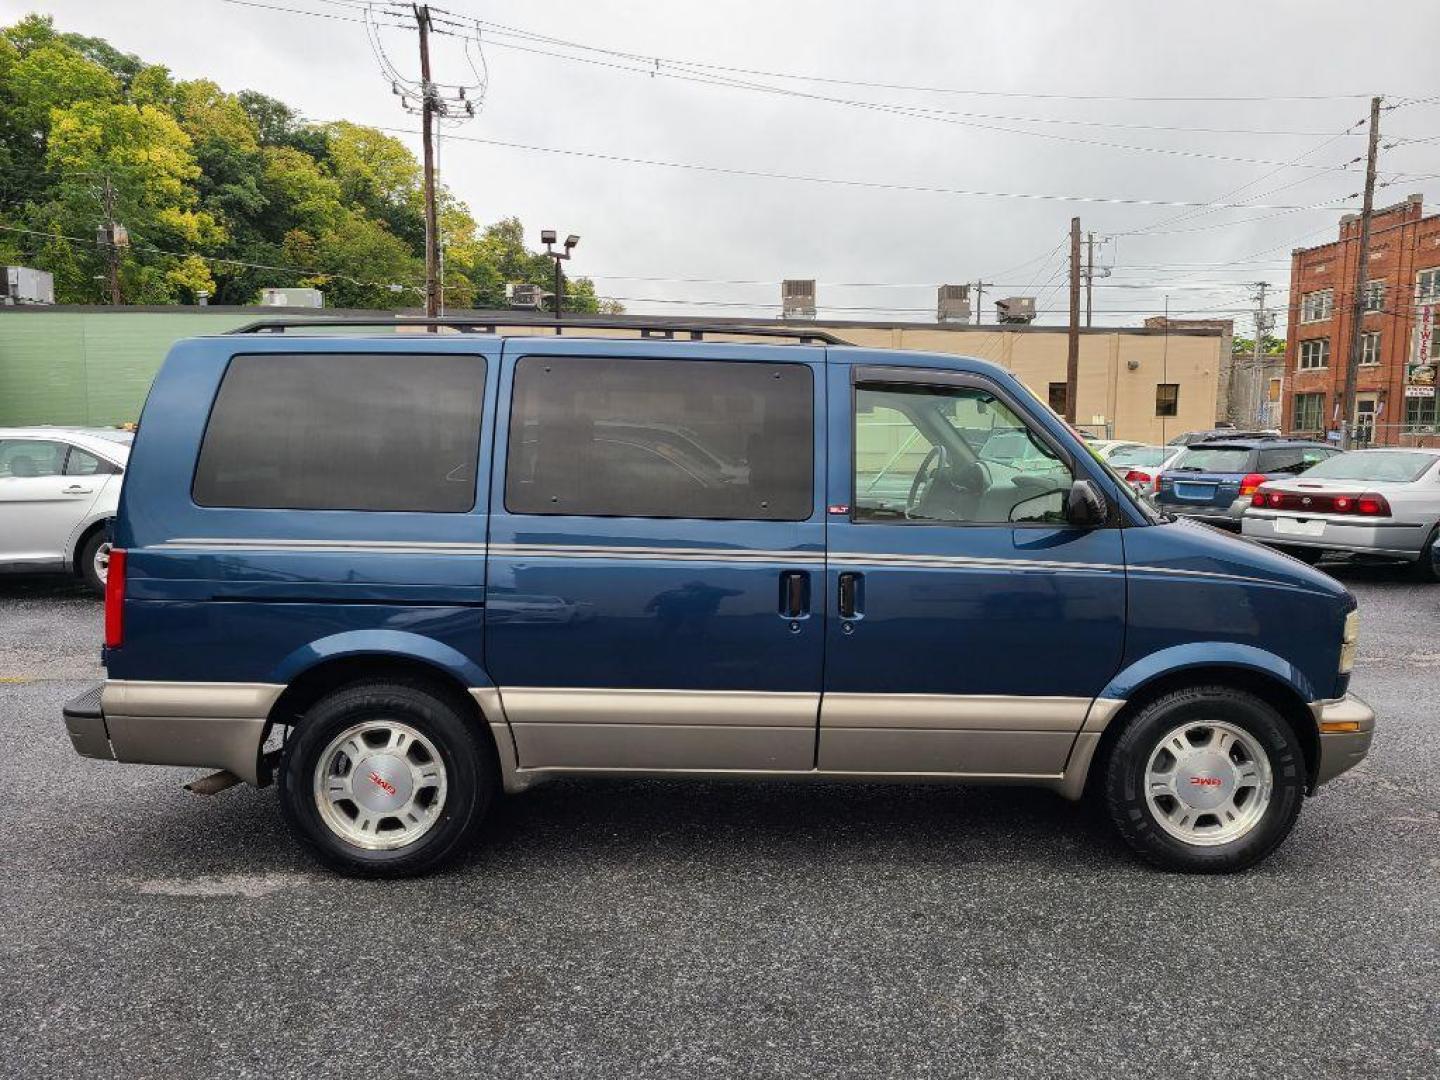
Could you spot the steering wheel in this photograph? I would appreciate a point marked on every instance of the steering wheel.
(924, 479)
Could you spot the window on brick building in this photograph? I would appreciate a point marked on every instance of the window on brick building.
(1374, 295)
(1370, 347)
(1317, 305)
(1420, 414)
(1167, 399)
(1309, 412)
(1314, 354)
(1427, 285)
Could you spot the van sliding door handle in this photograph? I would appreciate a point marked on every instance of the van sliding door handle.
(849, 606)
(794, 594)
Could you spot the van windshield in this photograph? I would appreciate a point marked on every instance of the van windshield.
(1395, 465)
(1226, 459)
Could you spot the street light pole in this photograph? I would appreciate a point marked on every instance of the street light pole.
(548, 238)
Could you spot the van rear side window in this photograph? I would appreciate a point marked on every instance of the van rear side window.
(344, 431)
(729, 440)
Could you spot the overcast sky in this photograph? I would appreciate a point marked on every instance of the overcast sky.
(1079, 60)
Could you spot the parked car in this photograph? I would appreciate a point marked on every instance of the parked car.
(399, 574)
(1214, 481)
(1140, 466)
(1190, 438)
(58, 488)
(1381, 503)
(1108, 448)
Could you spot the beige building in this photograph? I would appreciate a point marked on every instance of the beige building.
(1141, 383)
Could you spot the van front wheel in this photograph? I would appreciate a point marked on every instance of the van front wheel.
(1205, 780)
(385, 780)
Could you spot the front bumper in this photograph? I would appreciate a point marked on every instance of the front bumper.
(1347, 726)
(1392, 539)
(207, 725)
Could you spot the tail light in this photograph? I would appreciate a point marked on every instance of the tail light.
(1367, 505)
(1156, 488)
(115, 600)
(1250, 482)
(1135, 476)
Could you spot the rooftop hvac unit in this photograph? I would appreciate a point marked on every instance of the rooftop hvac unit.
(292, 298)
(22, 285)
(797, 298)
(520, 295)
(1015, 309)
(953, 303)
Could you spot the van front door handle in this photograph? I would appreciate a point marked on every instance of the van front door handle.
(794, 594)
(849, 606)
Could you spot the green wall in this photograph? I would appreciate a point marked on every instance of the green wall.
(91, 367)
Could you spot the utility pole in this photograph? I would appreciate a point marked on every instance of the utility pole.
(980, 287)
(112, 243)
(1362, 267)
(427, 118)
(1257, 359)
(1089, 274)
(1072, 355)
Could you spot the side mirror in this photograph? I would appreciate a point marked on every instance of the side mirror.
(1085, 506)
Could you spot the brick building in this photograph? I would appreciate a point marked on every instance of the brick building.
(1395, 401)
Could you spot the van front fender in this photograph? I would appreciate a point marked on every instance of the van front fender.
(1208, 654)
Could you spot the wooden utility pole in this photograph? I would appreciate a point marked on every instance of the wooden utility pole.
(427, 118)
(1072, 355)
(112, 245)
(1362, 269)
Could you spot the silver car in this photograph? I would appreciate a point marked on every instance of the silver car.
(58, 487)
(1383, 502)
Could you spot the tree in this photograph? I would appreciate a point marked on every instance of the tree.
(1243, 346)
(224, 193)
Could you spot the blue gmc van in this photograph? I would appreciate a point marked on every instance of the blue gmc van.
(398, 573)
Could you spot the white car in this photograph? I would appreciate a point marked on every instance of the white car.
(58, 487)
(1140, 466)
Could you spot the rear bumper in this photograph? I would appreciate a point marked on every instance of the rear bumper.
(1226, 517)
(1351, 725)
(1392, 539)
(207, 725)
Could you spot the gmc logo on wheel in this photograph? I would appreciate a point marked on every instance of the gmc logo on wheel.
(1205, 781)
(389, 788)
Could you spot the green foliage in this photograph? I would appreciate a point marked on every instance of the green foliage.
(1243, 346)
(223, 193)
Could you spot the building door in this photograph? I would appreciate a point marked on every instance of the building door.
(1365, 419)
(657, 548)
(972, 626)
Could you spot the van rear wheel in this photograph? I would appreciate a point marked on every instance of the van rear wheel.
(1205, 780)
(386, 779)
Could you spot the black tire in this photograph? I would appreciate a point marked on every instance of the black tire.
(465, 751)
(1425, 569)
(1124, 779)
(85, 562)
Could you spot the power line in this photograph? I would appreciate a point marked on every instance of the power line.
(494, 28)
(871, 184)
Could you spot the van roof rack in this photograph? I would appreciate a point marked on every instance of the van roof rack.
(662, 330)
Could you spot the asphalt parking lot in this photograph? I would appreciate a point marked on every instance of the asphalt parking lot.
(659, 930)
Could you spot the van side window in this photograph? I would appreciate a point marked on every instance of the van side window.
(661, 439)
(344, 431)
(952, 455)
